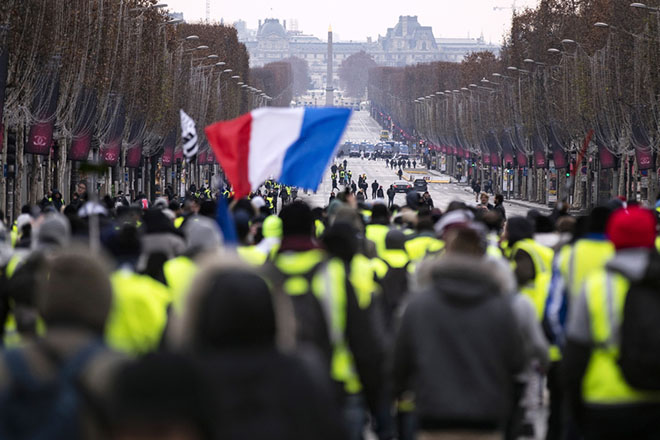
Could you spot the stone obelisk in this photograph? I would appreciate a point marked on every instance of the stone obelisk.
(329, 90)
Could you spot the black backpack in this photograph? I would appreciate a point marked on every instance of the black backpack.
(31, 409)
(639, 356)
(394, 287)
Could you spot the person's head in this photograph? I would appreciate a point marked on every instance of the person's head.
(53, 231)
(597, 220)
(229, 306)
(81, 188)
(76, 291)
(467, 240)
(499, 199)
(631, 228)
(340, 240)
(202, 234)
(380, 215)
(518, 228)
(297, 219)
(483, 198)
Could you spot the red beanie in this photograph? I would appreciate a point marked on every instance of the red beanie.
(632, 228)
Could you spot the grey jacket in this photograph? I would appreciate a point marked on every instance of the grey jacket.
(459, 346)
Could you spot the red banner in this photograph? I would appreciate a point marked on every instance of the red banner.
(134, 155)
(110, 152)
(40, 138)
(80, 146)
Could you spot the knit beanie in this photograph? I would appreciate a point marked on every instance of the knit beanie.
(632, 228)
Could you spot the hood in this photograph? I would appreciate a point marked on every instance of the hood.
(202, 234)
(53, 232)
(468, 279)
(632, 263)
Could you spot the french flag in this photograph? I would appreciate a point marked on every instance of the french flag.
(290, 145)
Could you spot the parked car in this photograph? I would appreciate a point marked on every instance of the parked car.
(401, 186)
(420, 185)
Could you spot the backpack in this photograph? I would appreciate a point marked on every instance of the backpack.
(394, 287)
(639, 356)
(31, 409)
(310, 326)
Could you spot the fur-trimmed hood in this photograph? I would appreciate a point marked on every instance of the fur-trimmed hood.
(466, 277)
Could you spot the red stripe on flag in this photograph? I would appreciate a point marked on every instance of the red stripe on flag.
(230, 141)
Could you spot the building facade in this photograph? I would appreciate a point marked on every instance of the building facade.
(406, 43)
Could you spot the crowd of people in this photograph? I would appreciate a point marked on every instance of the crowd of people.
(147, 320)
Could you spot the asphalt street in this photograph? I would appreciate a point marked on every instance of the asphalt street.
(363, 127)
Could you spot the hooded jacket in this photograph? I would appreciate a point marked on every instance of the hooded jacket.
(459, 348)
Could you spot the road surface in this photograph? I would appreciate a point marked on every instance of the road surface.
(363, 127)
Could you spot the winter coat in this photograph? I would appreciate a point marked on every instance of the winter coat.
(461, 324)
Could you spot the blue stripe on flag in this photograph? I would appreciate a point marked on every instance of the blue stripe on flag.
(226, 222)
(306, 160)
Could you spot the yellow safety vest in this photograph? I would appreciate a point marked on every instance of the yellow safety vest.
(252, 255)
(581, 259)
(179, 273)
(603, 382)
(342, 365)
(377, 234)
(138, 314)
(418, 247)
(537, 289)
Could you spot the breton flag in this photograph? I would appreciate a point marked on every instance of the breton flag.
(189, 136)
(290, 145)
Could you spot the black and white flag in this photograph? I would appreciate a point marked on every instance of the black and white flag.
(189, 136)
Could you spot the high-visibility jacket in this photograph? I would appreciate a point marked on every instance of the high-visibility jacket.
(252, 255)
(138, 314)
(585, 256)
(536, 289)
(329, 285)
(422, 245)
(179, 221)
(377, 234)
(179, 273)
(319, 228)
(603, 383)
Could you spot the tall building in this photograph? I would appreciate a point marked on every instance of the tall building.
(408, 42)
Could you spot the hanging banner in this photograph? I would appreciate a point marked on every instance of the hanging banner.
(85, 117)
(44, 105)
(168, 149)
(134, 156)
(644, 158)
(521, 158)
(80, 147)
(110, 150)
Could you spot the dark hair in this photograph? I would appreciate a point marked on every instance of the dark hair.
(519, 228)
(297, 219)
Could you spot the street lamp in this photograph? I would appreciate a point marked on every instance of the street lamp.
(512, 68)
(227, 71)
(236, 77)
(600, 24)
(220, 64)
(554, 50)
(567, 41)
(191, 38)
(212, 57)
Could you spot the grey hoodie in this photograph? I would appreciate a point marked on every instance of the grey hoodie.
(459, 346)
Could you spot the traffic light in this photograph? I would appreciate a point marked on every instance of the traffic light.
(11, 154)
(568, 173)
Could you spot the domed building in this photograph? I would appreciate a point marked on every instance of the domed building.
(272, 41)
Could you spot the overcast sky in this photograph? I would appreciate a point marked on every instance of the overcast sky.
(359, 19)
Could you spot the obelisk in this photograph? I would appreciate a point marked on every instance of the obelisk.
(329, 90)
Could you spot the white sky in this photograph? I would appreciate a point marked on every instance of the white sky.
(359, 19)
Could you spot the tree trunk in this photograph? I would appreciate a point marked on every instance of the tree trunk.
(18, 193)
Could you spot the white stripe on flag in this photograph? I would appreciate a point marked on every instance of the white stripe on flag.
(273, 131)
